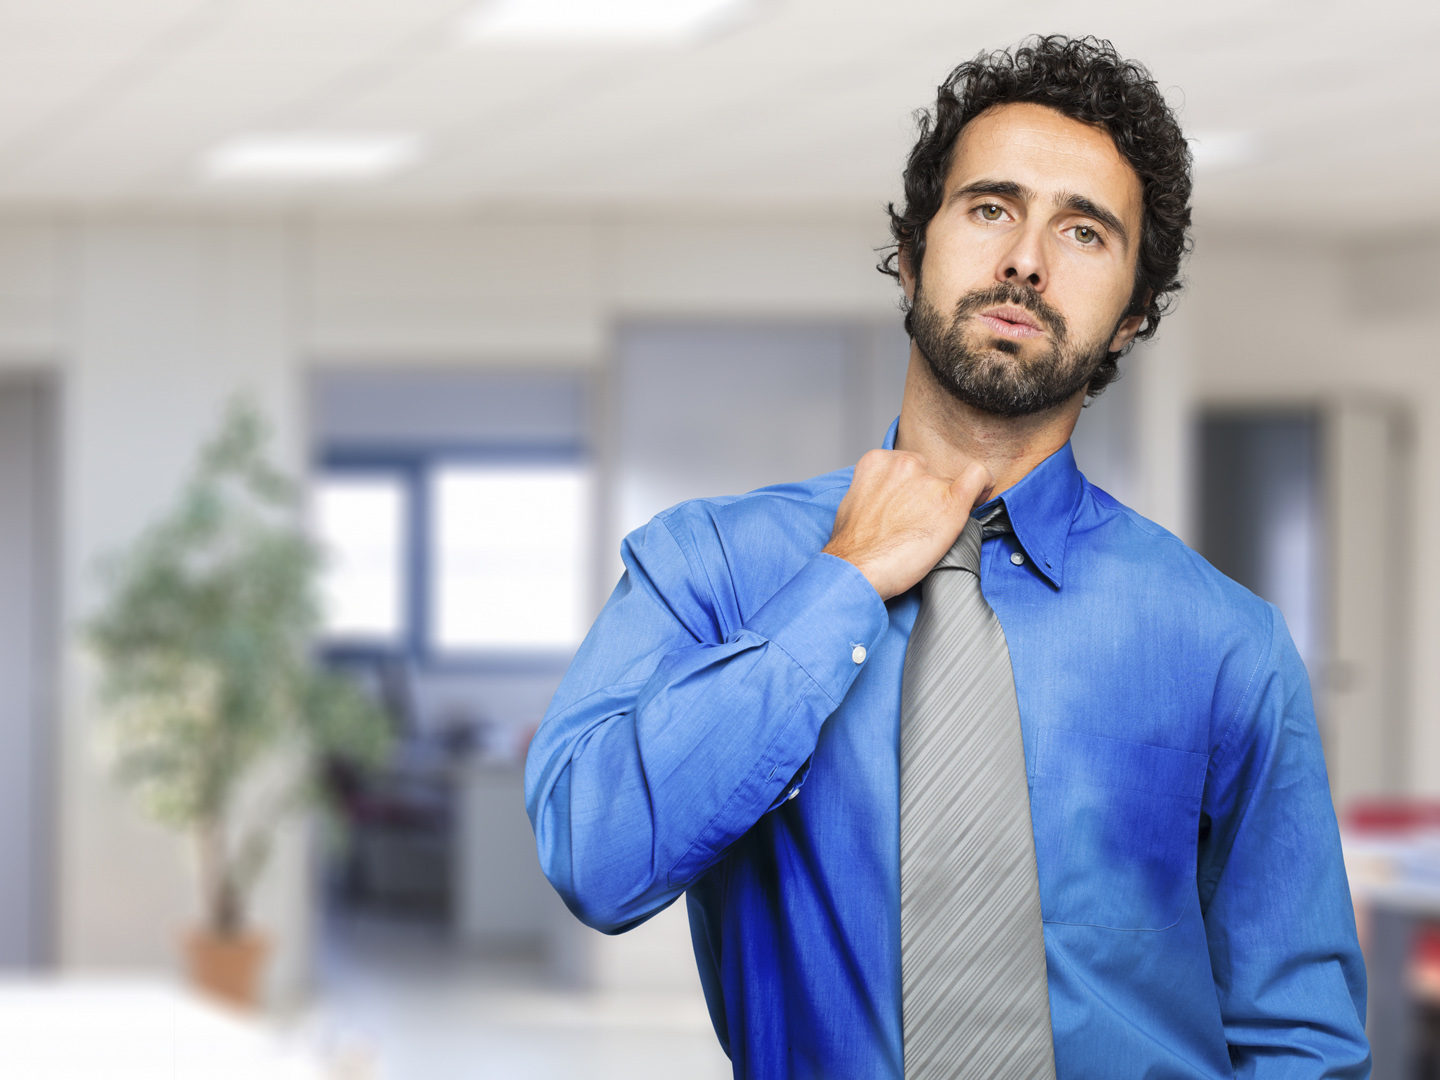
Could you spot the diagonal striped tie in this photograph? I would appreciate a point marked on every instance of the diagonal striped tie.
(972, 953)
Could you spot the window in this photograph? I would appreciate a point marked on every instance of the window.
(508, 557)
(360, 521)
(454, 556)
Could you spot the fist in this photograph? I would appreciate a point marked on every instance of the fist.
(897, 519)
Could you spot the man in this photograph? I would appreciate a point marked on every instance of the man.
(858, 830)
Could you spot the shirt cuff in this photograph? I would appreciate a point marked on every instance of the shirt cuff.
(827, 618)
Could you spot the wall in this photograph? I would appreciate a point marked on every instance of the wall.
(151, 323)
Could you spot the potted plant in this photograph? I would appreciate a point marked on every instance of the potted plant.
(220, 713)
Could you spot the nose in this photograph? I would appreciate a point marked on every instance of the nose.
(1024, 261)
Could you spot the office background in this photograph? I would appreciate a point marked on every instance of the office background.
(432, 235)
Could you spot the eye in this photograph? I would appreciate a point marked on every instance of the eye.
(1085, 234)
(991, 212)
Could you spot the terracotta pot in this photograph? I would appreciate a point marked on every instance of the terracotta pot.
(227, 968)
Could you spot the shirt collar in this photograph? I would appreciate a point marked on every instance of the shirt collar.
(1041, 507)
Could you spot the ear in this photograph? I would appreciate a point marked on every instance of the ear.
(907, 274)
(1129, 327)
(1126, 331)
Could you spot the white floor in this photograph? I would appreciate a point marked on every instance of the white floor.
(402, 1003)
(136, 1027)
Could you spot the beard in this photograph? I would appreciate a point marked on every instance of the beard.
(991, 376)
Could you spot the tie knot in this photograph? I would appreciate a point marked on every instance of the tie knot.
(995, 521)
(964, 554)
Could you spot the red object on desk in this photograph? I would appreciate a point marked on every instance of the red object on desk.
(1424, 971)
(1391, 816)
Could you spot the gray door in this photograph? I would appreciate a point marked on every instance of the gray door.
(27, 543)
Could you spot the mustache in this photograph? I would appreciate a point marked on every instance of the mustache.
(1022, 296)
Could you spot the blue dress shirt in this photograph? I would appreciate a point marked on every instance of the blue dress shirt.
(720, 734)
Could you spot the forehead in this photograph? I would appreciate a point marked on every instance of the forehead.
(1048, 152)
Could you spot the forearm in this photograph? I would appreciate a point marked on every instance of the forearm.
(643, 795)
(639, 785)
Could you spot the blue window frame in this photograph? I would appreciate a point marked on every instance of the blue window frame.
(505, 563)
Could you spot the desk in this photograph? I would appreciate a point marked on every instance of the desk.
(502, 901)
(1395, 884)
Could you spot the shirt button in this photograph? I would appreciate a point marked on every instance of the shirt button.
(1018, 559)
(792, 794)
(858, 654)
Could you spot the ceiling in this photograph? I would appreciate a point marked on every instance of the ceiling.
(805, 104)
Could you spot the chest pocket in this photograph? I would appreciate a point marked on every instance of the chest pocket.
(1115, 830)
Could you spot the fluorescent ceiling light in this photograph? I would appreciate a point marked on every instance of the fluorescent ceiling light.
(312, 155)
(599, 21)
(1213, 150)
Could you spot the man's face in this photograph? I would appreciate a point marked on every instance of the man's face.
(1029, 264)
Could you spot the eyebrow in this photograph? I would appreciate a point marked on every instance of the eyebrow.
(1010, 189)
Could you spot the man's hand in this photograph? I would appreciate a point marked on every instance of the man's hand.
(897, 520)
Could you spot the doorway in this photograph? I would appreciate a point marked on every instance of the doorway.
(1308, 507)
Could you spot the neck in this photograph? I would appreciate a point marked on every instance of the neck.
(949, 434)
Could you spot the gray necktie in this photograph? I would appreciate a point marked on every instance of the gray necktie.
(972, 952)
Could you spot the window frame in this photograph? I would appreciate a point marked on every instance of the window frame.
(415, 466)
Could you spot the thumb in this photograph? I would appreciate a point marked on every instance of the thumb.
(972, 486)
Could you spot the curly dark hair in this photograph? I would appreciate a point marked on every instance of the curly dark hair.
(1086, 80)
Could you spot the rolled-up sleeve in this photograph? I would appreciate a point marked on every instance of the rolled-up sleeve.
(670, 736)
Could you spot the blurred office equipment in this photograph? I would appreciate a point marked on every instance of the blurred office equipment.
(1392, 857)
(28, 498)
(458, 508)
(502, 900)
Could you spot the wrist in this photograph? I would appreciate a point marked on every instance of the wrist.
(866, 571)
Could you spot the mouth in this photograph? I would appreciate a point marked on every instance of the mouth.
(1009, 321)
